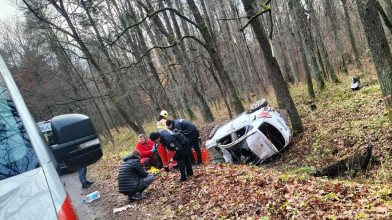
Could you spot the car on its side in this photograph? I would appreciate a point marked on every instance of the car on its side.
(30, 186)
(251, 137)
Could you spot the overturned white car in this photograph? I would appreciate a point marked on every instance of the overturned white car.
(251, 137)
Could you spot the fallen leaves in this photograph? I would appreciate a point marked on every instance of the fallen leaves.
(236, 191)
(227, 191)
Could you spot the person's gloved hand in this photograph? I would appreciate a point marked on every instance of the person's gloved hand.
(154, 150)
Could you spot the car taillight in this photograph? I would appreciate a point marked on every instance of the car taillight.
(265, 115)
(67, 212)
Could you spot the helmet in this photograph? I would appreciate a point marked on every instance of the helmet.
(164, 113)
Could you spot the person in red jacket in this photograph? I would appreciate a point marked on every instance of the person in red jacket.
(147, 150)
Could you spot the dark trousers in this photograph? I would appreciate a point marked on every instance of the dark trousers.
(82, 175)
(146, 182)
(158, 161)
(194, 141)
(184, 164)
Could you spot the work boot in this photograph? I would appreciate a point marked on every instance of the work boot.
(183, 178)
(137, 196)
(85, 185)
(89, 183)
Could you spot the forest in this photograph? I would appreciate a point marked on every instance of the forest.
(123, 61)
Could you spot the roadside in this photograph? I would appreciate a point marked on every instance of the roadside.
(88, 211)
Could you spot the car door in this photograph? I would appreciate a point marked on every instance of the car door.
(260, 145)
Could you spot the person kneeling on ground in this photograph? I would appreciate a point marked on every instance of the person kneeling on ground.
(132, 178)
(148, 153)
(177, 142)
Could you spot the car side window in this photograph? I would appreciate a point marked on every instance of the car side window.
(16, 152)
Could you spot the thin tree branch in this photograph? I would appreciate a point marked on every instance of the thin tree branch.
(126, 29)
(173, 64)
(265, 5)
(145, 54)
(272, 24)
(80, 100)
(230, 19)
(266, 8)
(254, 17)
(151, 15)
(46, 21)
(163, 47)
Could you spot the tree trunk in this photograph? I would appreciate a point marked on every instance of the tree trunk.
(323, 51)
(281, 91)
(388, 8)
(67, 64)
(210, 46)
(379, 48)
(296, 10)
(303, 55)
(108, 57)
(350, 32)
(229, 41)
(331, 14)
(183, 59)
(74, 34)
(243, 50)
(142, 43)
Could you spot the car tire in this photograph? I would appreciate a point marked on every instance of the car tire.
(261, 103)
(213, 131)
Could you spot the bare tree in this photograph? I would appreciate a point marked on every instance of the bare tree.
(281, 91)
(379, 47)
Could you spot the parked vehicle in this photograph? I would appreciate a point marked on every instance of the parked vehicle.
(251, 137)
(46, 130)
(29, 170)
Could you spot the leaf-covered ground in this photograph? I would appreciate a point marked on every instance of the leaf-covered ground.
(227, 191)
(281, 188)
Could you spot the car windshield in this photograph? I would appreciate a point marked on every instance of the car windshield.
(16, 152)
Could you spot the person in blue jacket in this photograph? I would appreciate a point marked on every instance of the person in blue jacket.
(177, 142)
(191, 132)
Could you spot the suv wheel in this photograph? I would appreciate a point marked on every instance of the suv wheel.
(258, 105)
(213, 131)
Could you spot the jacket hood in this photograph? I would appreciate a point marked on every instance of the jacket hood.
(130, 156)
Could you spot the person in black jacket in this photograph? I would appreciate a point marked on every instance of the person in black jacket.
(191, 132)
(177, 142)
(132, 178)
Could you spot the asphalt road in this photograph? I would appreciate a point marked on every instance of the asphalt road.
(76, 194)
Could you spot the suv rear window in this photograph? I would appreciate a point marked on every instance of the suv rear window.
(16, 152)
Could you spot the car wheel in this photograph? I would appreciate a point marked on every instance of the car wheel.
(213, 131)
(258, 105)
